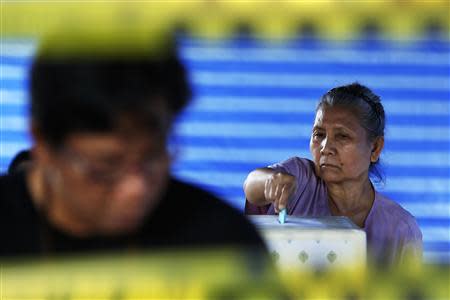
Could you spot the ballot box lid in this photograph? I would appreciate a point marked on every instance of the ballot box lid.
(310, 223)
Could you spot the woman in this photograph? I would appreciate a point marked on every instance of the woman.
(346, 142)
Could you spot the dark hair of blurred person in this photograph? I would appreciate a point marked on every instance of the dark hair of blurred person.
(21, 161)
(100, 178)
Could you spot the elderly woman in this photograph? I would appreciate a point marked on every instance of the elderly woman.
(346, 141)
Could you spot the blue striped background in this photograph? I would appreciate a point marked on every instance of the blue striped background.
(254, 105)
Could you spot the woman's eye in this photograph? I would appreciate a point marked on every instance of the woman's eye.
(342, 136)
(318, 135)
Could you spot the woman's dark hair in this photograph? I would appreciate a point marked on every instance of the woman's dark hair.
(90, 93)
(367, 108)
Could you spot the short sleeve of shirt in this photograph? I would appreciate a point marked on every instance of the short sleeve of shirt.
(392, 232)
(411, 244)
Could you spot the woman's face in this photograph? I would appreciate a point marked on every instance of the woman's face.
(340, 147)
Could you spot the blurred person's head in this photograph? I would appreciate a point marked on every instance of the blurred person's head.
(100, 126)
(348, 134)
(20, 161)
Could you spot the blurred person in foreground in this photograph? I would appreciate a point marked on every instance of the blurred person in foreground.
(100, 175)
(346, 141)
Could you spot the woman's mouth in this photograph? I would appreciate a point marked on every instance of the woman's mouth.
(327, 166)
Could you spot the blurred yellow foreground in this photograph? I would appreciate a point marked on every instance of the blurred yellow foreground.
(201, 274)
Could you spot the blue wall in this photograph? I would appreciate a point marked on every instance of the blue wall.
(254, 105)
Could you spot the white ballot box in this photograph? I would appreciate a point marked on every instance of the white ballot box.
(315, 243)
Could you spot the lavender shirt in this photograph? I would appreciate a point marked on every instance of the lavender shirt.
(392, 232)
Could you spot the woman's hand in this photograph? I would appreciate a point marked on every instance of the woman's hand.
(278, 188)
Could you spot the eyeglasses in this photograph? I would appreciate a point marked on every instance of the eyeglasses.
(110, 173)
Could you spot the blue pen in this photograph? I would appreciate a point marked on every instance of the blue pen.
(282, 216)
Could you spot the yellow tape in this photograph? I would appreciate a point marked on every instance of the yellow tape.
(209, 274)
(266, 19)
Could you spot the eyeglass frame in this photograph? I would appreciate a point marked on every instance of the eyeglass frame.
(83, 166)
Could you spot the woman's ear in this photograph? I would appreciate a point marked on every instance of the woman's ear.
(377, 147)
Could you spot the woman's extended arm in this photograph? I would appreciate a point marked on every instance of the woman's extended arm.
(264, 186)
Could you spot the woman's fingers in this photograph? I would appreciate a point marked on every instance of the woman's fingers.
(278, 189)
(276, 197)
(266, 189)
(283, 199)
(277, 193)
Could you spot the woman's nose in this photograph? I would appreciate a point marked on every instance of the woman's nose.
(327, 147)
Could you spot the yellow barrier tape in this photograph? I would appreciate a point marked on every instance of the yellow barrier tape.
(176, 275)
(266, 19)
(210, 274)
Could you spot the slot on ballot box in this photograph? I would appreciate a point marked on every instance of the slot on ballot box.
(313, 243)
